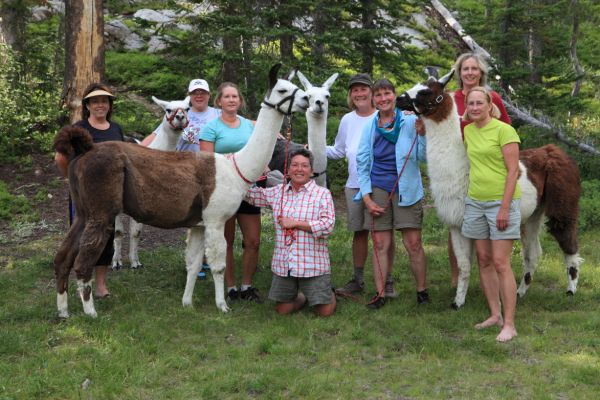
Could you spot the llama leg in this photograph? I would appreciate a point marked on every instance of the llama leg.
(194, 251)
(564, 230)
(573, 261)
(532, 250)
(135, 229)
(462, 247)
(92, 243)
(117, 260)
(63, 263)
(215, 253)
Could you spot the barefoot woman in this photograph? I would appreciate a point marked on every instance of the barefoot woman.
(492, 211)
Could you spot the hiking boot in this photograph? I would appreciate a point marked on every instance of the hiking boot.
(201, 275)
(353, 286)
(205, 267)
(390, 292)
(233, 295)
(423, 297)
(251, 294)
(376, 302)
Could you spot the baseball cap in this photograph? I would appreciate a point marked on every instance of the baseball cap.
(360, 79)
(198, 84)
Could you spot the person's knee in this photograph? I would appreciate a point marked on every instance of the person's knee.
(414, 247)
(284, 308)
(252, 243)
(326, 310)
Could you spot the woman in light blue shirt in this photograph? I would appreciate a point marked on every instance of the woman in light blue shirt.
(389, 147)
(228, 134)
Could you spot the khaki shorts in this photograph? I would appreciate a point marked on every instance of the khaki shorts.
(317, 289)
(356, 211)
(395, 216)
(480, 220)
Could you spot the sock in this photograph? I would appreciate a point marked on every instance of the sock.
(389, 279)
(245, 287)
(359, 274)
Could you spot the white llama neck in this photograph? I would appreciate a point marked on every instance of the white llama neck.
(166, 138)
(317, 132)
(254, 157)
(447, 166)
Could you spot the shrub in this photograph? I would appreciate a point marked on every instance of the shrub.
(589, 215)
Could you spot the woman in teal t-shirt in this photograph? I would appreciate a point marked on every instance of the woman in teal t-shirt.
(492, 209)
(228, 134)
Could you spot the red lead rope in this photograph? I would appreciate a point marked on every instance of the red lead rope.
(387, 204)
(289, 235)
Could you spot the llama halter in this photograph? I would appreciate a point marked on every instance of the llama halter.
(282, 101)
(172, 117)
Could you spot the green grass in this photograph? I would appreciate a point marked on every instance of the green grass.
(145, 345)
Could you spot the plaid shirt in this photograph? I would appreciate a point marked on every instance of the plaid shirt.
(300, 254)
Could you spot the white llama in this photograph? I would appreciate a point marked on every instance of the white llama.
(167, 135)
(549, 183)
(164, 189)
(316, 119)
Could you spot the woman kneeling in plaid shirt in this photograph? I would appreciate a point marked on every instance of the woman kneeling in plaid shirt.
(305, 218)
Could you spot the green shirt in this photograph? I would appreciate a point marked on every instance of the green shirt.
(488, 172)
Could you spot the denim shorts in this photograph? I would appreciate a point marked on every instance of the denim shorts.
(317, 289)
(480, 220)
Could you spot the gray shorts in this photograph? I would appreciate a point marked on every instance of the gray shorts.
(480, 220)
(317, 289)
(356, 211)
(395, 216)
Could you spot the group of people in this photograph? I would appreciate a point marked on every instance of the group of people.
(384, 192)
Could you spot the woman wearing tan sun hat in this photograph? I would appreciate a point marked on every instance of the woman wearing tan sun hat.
(96, 112)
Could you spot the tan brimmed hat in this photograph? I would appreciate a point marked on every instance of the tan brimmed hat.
(99, 92)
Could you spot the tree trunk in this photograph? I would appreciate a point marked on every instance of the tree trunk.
(84, 51)
(368, 22)
(534, 53)
(579, 71)
(13, 17)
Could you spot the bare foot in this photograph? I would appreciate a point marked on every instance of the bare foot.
(491, 321)
(506, 334)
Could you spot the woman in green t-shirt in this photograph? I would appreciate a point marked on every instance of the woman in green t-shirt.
(492, 210)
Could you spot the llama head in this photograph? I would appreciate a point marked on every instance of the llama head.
(175, 112)
(283, 95)
(427, 98)
(318, 96)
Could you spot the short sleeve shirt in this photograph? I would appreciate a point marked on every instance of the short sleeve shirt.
(227, 140)
(487, 176)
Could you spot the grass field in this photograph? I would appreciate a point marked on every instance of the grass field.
(145, 345)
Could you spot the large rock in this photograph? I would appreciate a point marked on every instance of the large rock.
(162, 16)
(119, 35)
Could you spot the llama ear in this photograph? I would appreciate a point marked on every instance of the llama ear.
(292, 74)
(273, 75)
(329, 82)
(432, 71)
(444, 79)
(161, 103)
(307, 85)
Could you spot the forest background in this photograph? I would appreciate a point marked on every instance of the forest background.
(145, 345)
